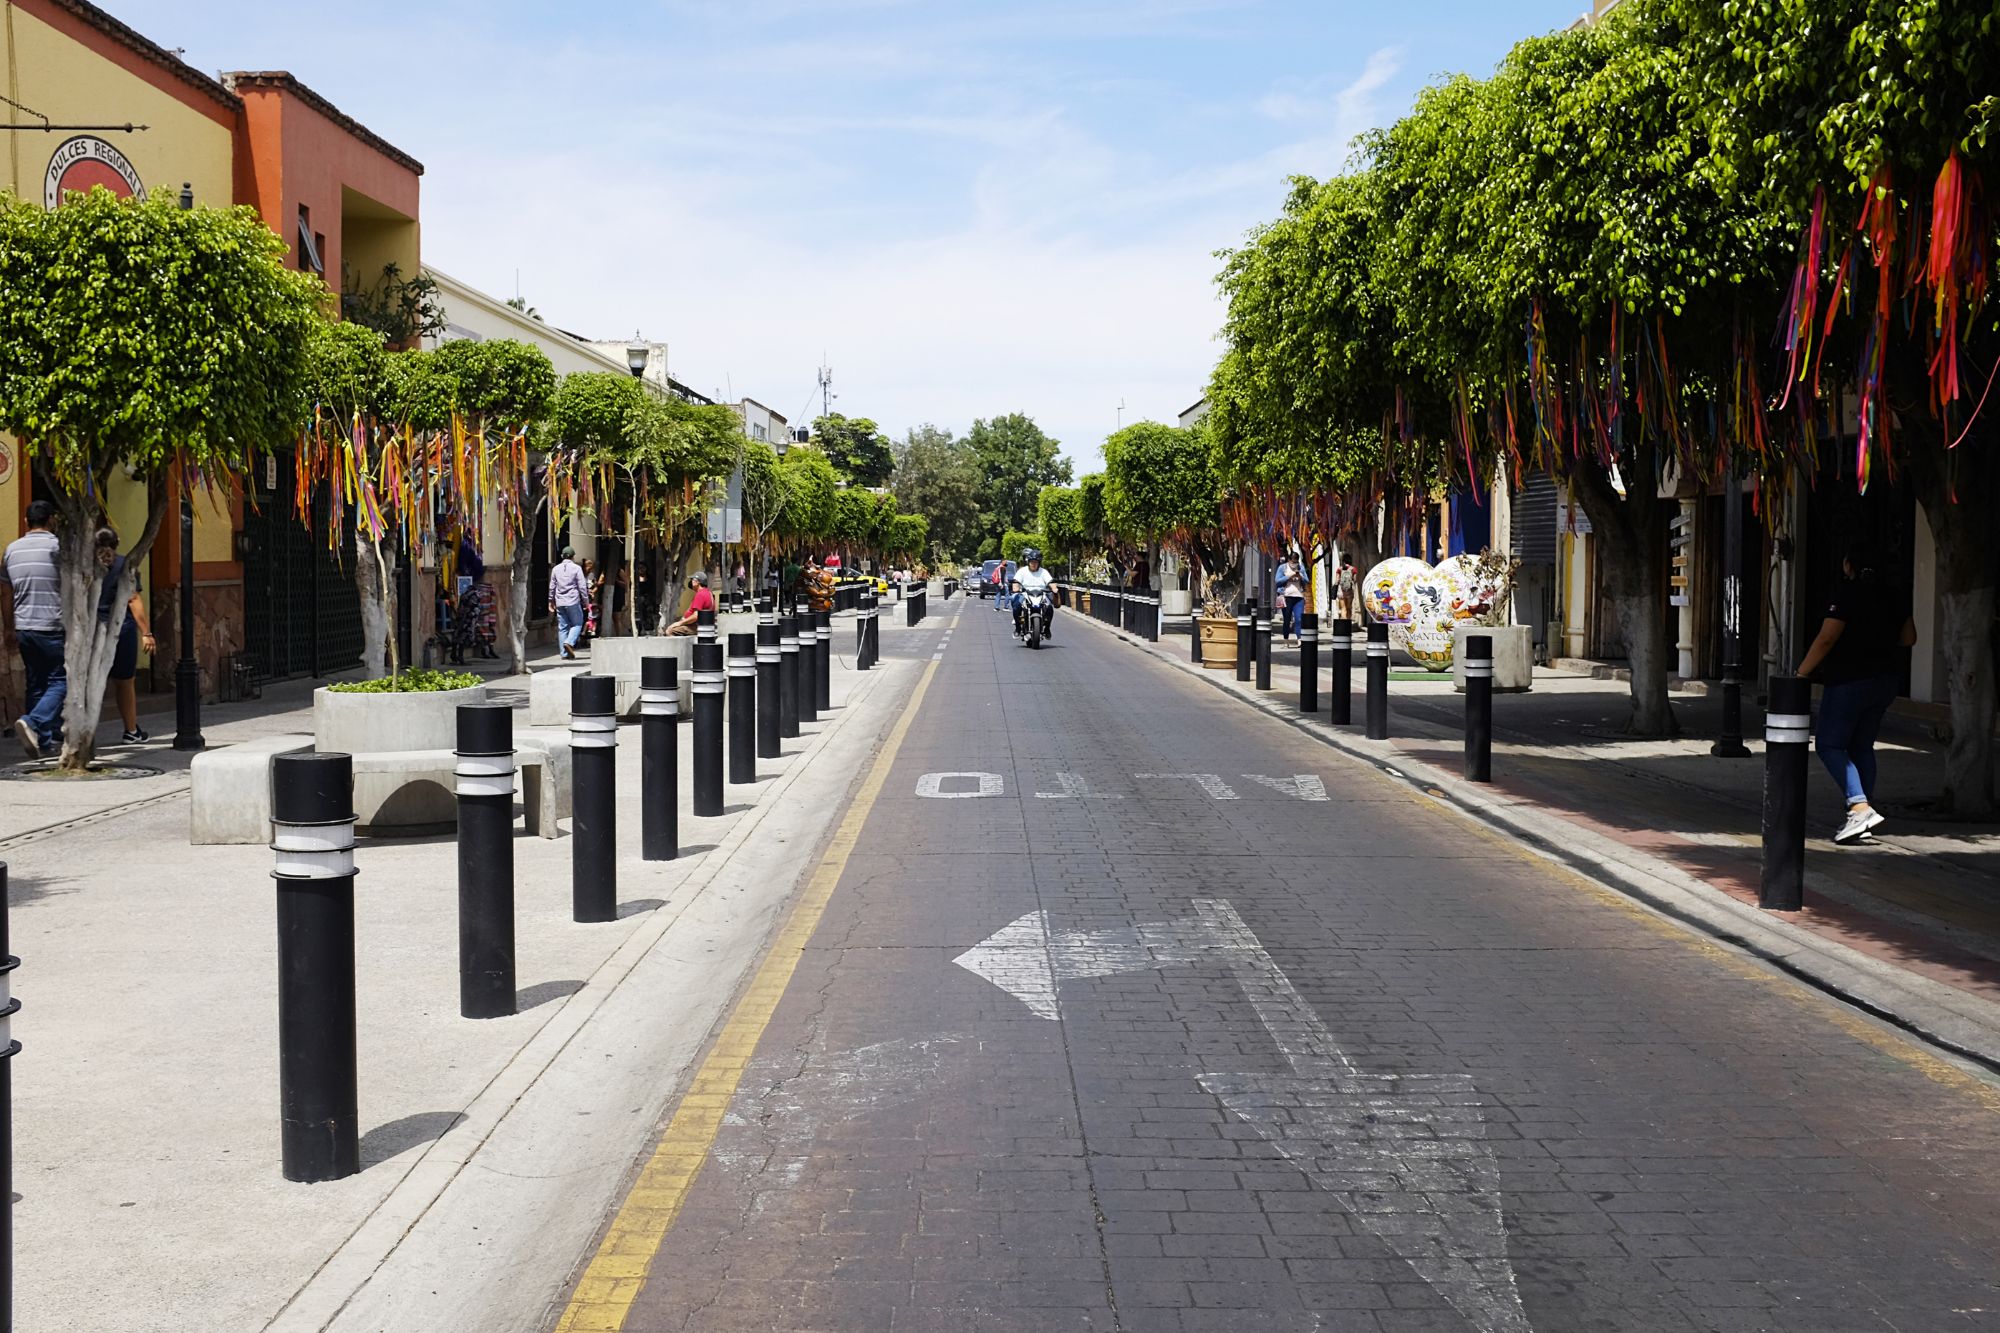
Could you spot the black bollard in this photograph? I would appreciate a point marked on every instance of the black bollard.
(1153, 626)
(808, 665)
(312, 825)
(708, 682)
(822, 660)
(742, 708)
(1246, 646)
(1787, 742)
(1378, 681)
(1194, 626)
(1260, 638)
(659, 758)
(1479, 707)
(769, 745)
(9, 1048)
(913, 609)
(593, 852)
(1308, 663)
(868, 609)
(1341, 684)
(788, 676)
(860, 640)
(484, 775)
(704, 626)
(874, 629)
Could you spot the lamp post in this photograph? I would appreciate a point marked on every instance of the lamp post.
(637, 354)
(187, 671)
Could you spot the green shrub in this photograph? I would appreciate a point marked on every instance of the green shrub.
(410, 682)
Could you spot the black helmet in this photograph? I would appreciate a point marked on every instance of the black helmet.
(1030, 555)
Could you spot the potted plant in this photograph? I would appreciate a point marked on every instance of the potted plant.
(1217, 628)
(412, 710)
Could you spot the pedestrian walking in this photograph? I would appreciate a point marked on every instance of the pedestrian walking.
(1291, 578)
(1857, 659)
(134, 633)
(569, 597)
(1345, 587)
(28, 569)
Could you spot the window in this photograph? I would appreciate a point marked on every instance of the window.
(311, 244)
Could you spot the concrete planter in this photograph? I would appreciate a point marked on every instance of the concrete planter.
(1513, 656)
(1176, 602)
(360, 724)
(345, 723)
(1218, 642)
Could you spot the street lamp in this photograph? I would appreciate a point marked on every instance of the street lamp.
(636, 356)
(187, 671)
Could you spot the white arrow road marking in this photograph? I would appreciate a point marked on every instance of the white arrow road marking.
(1027, 959)
(1305, 786)
(1404, 1153)
(1072, 784)
(1211, 783)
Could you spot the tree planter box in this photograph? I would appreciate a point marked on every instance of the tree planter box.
(1218, 641)
(360, 724)
(1513, 657)
(1176, 602)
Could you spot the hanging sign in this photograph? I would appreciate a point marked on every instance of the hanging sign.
(84, 161)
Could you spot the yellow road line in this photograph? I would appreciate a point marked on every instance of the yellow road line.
(604, 1294)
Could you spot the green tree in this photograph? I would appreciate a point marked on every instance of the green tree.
(1090, 507)
(811, 486)
(906, 537)
(938, 477)
(1013, 543)
(1015, 461)
(853, 527)
(1060, 517)
(136, 335)
(856, 447)
(1160, 488)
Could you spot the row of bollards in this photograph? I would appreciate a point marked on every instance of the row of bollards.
(766, 682)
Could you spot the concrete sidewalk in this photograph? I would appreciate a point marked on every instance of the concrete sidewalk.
(145, 1111)
(1918, 913)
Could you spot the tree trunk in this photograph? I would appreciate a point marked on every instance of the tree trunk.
(375, 586)
(1631, 535)
(88, 646)
(1960, 492)
(517, 601)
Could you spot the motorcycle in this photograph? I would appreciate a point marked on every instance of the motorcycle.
(1035, 616)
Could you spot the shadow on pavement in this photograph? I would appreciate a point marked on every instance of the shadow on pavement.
(383, 1142)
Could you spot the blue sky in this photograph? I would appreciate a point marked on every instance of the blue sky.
(971, 208)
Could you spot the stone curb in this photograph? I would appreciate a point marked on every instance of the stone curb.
(1942, 1015)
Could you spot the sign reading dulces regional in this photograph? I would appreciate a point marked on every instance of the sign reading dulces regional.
(85, 161)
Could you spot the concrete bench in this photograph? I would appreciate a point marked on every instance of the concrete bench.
(401, 792)
(549, 688)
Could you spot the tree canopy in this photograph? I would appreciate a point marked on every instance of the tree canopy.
(1158, 483)
(1016, 459)
(856, 447)
(938, 477)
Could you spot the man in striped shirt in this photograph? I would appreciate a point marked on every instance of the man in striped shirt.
(28, 569)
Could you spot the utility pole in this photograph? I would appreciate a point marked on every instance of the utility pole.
(825, 388)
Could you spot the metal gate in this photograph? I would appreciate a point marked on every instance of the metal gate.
(301, 612)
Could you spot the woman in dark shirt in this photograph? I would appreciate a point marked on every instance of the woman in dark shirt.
(1857, 658)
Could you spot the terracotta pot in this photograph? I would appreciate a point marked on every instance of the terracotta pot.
(1218, 642)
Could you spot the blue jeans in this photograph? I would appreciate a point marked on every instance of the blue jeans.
(1849, 716)
(569, 624)
(48, 683)
(1294, 607)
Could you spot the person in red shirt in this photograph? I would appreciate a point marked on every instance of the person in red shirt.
(703, 600)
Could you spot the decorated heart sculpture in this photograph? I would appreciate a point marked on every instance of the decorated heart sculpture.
(1421, 605)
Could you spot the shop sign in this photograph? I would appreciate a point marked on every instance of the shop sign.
(85, 161)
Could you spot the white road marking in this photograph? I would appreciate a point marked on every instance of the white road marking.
(1027, 959)
(932, 785)
(1211, 783)
(1305, 786)
(1413, 1142)
(1404, 1153)
(1073, 785)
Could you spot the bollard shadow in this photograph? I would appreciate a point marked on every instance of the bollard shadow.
(383, 1142)
(636, 906)
(739, 807)
(696, 849)
(543, 992)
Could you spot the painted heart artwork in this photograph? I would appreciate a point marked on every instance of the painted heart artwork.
(1423, 603)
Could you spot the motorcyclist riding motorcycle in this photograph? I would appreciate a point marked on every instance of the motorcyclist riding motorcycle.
(1031, 577)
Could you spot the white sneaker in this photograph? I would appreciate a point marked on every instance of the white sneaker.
(29, 741)
(1859, 821)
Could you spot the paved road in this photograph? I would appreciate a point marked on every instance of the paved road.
(1160, 1016)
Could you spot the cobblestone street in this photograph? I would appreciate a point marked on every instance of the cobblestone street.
(1134, 1009)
